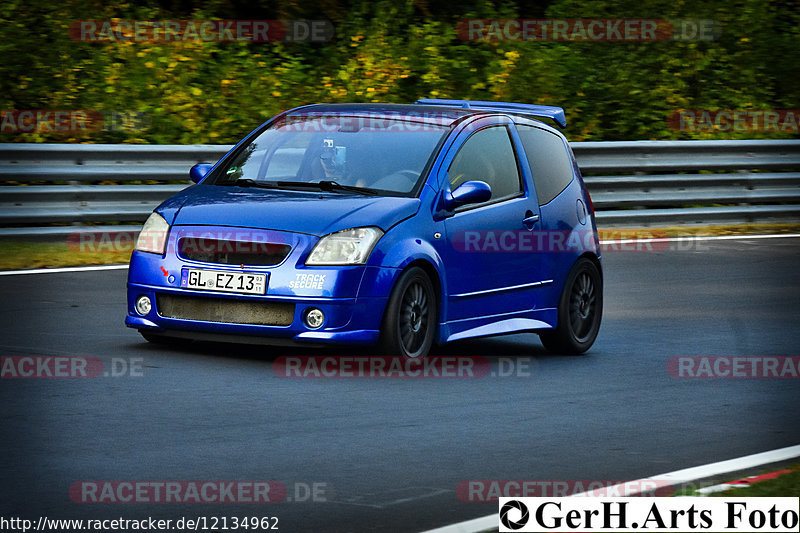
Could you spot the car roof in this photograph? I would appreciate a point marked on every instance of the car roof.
(442, 112)
(434, 115)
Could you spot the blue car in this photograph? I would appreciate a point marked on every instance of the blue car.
(400, 226)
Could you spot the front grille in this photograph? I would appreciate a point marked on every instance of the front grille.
(226, 252)
(225, 310)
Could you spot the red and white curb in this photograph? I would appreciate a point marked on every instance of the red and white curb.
(744, 482)
(677, 478)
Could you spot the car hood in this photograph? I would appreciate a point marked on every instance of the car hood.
(310, 212)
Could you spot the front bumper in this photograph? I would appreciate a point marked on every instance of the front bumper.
(347, 320)
(352, 298)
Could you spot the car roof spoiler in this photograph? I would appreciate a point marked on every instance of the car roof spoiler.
(542, 111)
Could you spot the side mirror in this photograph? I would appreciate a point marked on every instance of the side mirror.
(199, 171)
(470, 192)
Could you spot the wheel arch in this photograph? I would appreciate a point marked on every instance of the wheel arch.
(594, 259)
(433, 274)
(392, 339)
(563, 338)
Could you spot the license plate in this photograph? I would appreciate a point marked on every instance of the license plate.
(225, 281)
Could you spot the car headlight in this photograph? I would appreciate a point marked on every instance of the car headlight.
(153, 236)
(348, 247)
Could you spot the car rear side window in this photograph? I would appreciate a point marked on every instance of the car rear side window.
(550, 162)
(488, 156)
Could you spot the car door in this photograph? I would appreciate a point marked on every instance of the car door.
(490, 259)
(566, 230)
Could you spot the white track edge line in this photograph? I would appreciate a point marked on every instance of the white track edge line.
(687, 475)
(719, 488)
(694, 238)
(62, 269)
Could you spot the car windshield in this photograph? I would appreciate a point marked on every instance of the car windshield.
(337, 153)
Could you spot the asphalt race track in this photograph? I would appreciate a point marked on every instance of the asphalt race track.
(388, 454)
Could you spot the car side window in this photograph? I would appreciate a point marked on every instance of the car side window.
(488, 156)
(550, 162)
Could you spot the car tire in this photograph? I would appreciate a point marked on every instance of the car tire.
(580, 310)
(411, 316)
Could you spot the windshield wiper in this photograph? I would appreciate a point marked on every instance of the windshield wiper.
(247, 182)
(328, 186)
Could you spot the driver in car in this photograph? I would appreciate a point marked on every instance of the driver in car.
(334, 160)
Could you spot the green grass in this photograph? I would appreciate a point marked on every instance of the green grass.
(734, 229)
(21, 255)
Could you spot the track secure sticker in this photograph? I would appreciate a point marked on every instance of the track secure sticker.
(308, 281)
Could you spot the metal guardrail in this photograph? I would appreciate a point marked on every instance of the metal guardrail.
(637, 183)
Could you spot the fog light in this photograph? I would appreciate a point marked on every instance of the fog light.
(314, 318)
(143, 305)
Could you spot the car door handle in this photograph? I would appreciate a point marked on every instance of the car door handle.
(530, 219)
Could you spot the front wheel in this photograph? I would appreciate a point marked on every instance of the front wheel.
(580, 310)
(409, 322)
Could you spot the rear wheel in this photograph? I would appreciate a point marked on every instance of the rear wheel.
(409, 322)
(580, 311)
